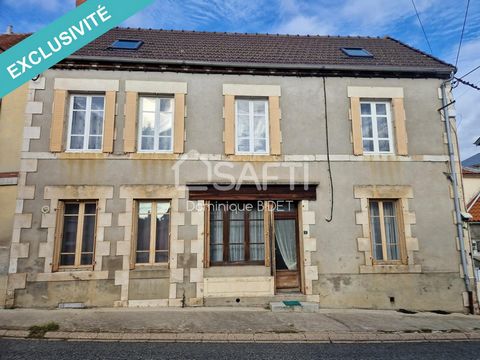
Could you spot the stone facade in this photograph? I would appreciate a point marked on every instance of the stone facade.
(336, 267)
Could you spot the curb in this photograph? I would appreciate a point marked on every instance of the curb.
(309, 337)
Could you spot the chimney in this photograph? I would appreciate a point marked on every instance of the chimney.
(9, 30)
(80, 2)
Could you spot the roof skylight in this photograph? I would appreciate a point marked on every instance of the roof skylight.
(127, 44)
(356, 52)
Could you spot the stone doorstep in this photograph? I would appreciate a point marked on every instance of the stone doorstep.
(309, 337)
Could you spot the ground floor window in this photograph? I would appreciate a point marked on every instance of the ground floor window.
(237, 233)
(152, 232)
(77, 242)
(384, 231)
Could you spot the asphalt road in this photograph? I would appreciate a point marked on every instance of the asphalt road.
(71, 350)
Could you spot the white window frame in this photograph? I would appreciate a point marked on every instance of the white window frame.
(375, 138)
(251, 126)
(88, 113)
(157, 125)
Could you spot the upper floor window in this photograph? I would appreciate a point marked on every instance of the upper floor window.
(78, 234)
(251, 126)
(156, 124)
(384, 231)
(86, 122)
(376, 127)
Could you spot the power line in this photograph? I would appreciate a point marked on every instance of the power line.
(463, 30)
(421, 25)
(471, 71)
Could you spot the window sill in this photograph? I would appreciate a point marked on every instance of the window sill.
(81, 155)
(148, 267)
(390, 269)
(259, 157)
(70, 275)
(154, 156)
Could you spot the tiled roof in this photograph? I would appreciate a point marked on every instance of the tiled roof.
(8, 40)
(469, 171)
(472, 161)
(192, 47)
(474, 209)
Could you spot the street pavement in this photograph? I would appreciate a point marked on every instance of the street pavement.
(72, 350)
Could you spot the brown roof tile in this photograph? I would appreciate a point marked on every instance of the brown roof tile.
(255, 49)
(9, 40)
(474, 209)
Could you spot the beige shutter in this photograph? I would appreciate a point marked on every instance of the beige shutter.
(356, 125)
(229, 132)
(58, 120)
(179, 124)
(58, 237)
(400, 126)
(274, 119)
(109, 121)
(130, 129)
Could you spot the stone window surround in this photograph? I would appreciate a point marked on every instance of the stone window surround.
(402, 193)
(132, 193)
(49, 221)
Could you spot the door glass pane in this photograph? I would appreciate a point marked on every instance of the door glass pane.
(78, 123)
(166, 105)
(384, 145)
(367, 131)
(382, 127)
(391, 232)
(381, 109)
(375, 231)
(79, 102)
(286, 244)
(368, 145)
(365, 109)
(148, 124)
(76, 142)
(148, 104)
(143, 231)
(216, 235)
(96, 123)
(162, 231)
(236, 244)
(257, 246)
(243, 107)
(98, 102)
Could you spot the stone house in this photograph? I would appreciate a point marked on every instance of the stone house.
(334, 146)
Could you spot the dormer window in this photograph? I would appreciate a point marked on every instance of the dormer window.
(127, 44)
(356, 52)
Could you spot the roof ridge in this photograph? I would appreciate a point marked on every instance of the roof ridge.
(421, 52)
(250, 34)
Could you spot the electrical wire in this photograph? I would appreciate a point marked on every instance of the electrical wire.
(463, 30)
(330, 218)
(471, 71)
(421, 25)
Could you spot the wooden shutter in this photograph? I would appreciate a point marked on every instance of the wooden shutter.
(274, 120)
(58, 237)
(58, 120)
(179, 124)
(356, 126)
(130, 129)
(400, 126)
(267, 222)
(109, 121)
(229, 132)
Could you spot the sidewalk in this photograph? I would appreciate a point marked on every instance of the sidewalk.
(241, 325)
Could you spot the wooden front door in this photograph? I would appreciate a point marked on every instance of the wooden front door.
(287, 264)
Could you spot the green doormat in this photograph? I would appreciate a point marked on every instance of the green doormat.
(292, 303)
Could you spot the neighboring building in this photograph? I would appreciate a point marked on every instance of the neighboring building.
(472, 162)
(12, 119)
(126, 139)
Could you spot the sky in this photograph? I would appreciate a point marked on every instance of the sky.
(442, 20)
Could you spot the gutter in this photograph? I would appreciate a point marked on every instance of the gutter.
(456, 196)
(139, 61)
